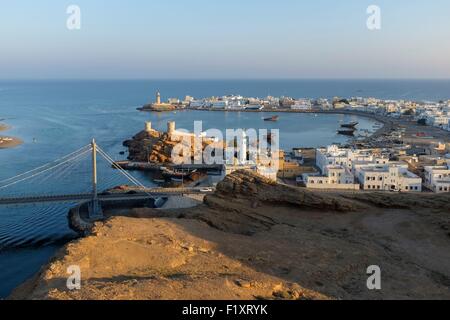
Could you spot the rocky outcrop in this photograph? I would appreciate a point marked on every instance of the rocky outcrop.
(247, 184)
(157, 147)
(151, 146)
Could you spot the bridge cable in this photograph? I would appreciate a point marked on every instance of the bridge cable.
(43, 166)
(121, 170)
(46, 170)
(126, 174)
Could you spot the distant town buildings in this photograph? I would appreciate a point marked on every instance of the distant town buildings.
(396, 168)
(370, 169)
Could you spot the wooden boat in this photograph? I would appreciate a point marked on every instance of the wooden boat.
(347, 132)
(350, 125)
(273, 119)
(174, 174)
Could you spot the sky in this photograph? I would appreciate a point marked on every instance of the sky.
(223, 39)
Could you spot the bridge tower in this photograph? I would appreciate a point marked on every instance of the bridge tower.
(94, 207)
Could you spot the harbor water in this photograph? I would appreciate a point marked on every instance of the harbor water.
(55, 118)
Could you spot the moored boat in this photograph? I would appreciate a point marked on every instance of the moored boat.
(347, 132)
(274, 118)
(349, 125)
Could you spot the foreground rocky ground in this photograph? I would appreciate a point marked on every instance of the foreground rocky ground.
(257, 240)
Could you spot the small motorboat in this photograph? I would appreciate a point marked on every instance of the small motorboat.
(273, 119)
(349, 125)
(347, 132)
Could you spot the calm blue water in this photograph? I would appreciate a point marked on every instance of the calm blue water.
(56, 118)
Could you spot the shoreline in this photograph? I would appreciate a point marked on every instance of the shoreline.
(388, 124)
(8, 142)
(4, 127)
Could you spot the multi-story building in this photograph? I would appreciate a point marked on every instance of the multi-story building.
(393, 176)
(337, 177)
(437, 178)
(347, 158)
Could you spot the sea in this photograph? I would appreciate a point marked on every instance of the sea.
(55, 118)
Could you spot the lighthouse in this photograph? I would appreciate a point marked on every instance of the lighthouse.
(158, 98)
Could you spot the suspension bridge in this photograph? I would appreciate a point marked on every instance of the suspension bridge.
(93, 198)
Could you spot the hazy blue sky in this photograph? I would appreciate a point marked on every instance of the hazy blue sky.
(224, 39)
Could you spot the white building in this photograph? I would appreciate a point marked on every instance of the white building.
(369, 169)
(438, 120)
(437, 178)
(347, 158)
(337, 177)
(198, 104)
(302, 105)
(219, 105)
(393, 176)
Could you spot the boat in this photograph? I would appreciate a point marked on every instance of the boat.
(214, 172)
(347, 132)
(175, 174)
(349, 125)
(274, 118)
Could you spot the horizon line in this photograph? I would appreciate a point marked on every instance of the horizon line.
(226, 79)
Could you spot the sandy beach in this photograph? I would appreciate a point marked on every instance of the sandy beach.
(4, 127)
(8, 142)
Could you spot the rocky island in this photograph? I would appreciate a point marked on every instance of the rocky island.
(257, 239)
(150, 145)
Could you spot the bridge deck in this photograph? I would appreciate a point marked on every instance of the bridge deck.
(143, 194)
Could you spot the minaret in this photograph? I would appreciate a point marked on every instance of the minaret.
(158, 98)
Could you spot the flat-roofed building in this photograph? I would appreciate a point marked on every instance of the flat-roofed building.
(337, 177)
(393, 176)
(437, 178)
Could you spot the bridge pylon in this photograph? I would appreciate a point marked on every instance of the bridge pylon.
(94, 206)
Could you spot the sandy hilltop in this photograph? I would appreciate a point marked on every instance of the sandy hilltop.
(8, 142)
(256, 239)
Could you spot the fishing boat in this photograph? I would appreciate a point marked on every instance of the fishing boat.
(273, 119)
(349, 125)
(347, 132)
(176, 174)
